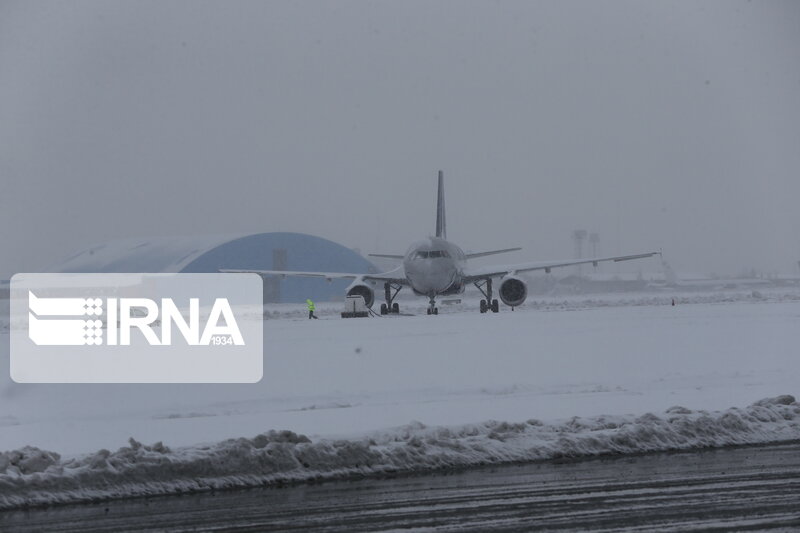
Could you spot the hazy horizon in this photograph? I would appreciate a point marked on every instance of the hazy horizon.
(666, 125)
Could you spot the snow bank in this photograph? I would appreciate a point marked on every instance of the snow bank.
(30, 476)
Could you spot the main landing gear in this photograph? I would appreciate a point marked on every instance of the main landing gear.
(486, 289)
(389, 307)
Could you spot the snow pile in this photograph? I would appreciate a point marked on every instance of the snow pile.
(30, 476)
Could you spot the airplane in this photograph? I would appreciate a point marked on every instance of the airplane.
(437, 267)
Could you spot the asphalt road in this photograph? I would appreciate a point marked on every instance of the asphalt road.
(748, 488)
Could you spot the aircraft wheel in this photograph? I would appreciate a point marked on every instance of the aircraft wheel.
(483, 306)
(383, 309)
(435, 310)
(396, 308)
(429, 310)
(495, 306)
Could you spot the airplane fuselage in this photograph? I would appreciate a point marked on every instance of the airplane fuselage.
(434, 266)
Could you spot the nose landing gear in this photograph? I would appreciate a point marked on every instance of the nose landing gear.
(432, 309)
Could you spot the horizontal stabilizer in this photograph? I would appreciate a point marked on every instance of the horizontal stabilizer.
(387, 256)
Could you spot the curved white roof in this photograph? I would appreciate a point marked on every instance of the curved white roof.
(154, 254)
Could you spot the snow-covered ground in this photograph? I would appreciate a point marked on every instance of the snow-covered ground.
(375, 394)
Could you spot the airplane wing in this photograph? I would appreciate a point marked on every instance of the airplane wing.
(494, 271)
(396, 276)
(492, 252)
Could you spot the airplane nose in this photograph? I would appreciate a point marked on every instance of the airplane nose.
(427, 280)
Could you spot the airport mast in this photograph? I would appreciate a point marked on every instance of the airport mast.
(579, 235)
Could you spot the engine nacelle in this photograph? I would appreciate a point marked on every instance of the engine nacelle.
(358, 288)
(513, 291)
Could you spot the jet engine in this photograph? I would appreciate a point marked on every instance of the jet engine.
(513, 291)
(359, 288)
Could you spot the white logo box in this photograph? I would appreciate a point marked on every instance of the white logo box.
(136, 328)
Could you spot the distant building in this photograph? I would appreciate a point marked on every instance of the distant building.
(262, 251)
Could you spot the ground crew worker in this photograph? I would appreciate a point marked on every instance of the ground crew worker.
(311, 309)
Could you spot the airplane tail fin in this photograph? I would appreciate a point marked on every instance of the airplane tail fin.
(441, 227)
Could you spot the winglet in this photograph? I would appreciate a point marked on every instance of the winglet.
(441, 227)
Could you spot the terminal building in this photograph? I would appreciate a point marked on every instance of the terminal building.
(261, 251)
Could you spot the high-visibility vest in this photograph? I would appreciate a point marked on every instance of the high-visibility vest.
(310, 305)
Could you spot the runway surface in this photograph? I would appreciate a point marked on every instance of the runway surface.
(747, 488)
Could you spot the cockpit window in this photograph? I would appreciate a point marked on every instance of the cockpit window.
(431, 254)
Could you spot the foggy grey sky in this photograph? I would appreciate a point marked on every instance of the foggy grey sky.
(671, 125)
